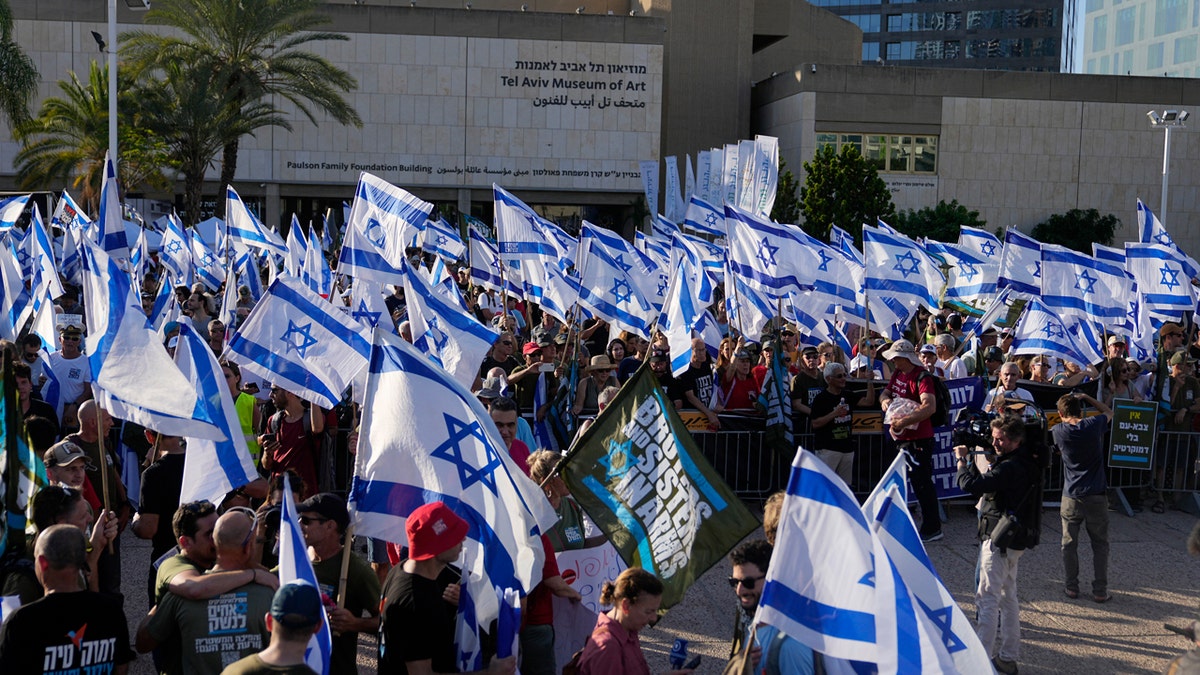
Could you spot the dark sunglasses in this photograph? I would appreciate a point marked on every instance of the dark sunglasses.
(748, 582)
(306, 520)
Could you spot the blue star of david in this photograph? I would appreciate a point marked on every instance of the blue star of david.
(868, 579)
(442, 240)
(208, 260)
(711, 219)
(1037, 269)
(23, 258)
(967, 271)
(174, 247)
(663, 283)
(1170, 277)
(451, 451)
(907, 264)
(1133, 310)
(304, 333)
(825, 258)
(988, 248)
(374, 232)
(766, 252)
(942, 619)
(620, 260)
(365, 315)
(435, 332)
(496, 266)
(1163, 238)
(621, 291)
(1085, 282)
(1053, 330)
(619, 459)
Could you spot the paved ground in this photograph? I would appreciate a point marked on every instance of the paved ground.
(1152, 579)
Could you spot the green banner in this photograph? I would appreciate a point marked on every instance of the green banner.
(1134, 427)
(639, 475)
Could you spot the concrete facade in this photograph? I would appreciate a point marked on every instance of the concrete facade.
(1017, 147)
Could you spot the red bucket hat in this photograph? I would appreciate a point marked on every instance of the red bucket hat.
(433, 529)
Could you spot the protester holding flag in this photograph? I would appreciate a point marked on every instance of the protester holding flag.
(777, 654)
(1010, 498)
(613, 646)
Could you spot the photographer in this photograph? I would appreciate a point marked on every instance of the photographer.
(1008, 516)
(1085, 489)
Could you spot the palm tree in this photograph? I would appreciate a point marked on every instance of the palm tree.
(17, 72)
(68, 138)
(190, 110)
(256, 48)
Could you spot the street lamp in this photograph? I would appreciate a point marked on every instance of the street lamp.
(1167, 120)
(134, 5)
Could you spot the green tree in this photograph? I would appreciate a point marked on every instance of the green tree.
(787, 206)
(190, 110)
(17, 72)
(941, 222)
(67, 140)
(256, 49)
(844, 190)
(1077, 229)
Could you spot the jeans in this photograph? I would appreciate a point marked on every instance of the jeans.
(537, 650)
(996, 598)
(1092, 512)
(920, 476)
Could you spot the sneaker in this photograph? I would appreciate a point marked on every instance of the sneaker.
(936, 536)
(1006, 667)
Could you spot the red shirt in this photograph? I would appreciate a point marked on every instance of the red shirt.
(520, 454)
(539, 610)
(904, 385)
(612, 649)
(297, 451)
(738, 394)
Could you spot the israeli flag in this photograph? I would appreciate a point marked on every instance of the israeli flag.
(296, 568)
(441, 239)
(843, 241)
(656, 249)
(982, 243)
(243, 226)
(487, 270)
(388, 216)
(367, 306)
(521, 239)
(662, 227)
(949, 643)
(997, 306)
(456, 456)
(297, 249)
(454, 339)
(607, 289)
(1161, 275)
(703, 217)
(246, 264)
(814, 328)
(896, 267)
(11, 210)
(1074, 284)
(122, 348)
(175, 253)
(972, 277)
(13, 298)
(1153, 232)
(110, 232)
(1021, 263)
(1042, 331)
(208, 266)
(640, 269)
(71, 267)
(45, 282)
(769, 256)
(297, 340)
(747, 307)
(821, 585)
(164, 298)
(316, 267)
(837, 282)
(712, 256)
(680, 314)
(68, 215)
(1108, 254)
(566, 245)
(211, 468)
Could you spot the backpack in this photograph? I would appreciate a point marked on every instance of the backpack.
(941, 396)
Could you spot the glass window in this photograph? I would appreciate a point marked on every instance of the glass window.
(1094, 5)
(875, 151)
(1123, 34)
(893, 51)
(925, 154)
(1099, 33)
(826, 139)
(899, 153)
(1185, 50)
(1169, 16)
(851, 139)
(1154, 56)
(1091, 67)
(870, 52)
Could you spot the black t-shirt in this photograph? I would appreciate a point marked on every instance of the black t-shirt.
(805, 388)
(671, 386)
(489, 362)
(77, 632)
(698, 380)
(416, 623)
(162, 482)
(836, 434)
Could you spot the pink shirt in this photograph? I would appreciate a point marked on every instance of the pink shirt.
(612, 649)
(911, 385)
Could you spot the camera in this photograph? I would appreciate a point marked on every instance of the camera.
(973, 428)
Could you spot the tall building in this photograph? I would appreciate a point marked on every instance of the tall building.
(994, 35)
(1138, 37)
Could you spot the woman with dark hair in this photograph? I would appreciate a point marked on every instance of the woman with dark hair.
(613, 646)
(1117, 383)
(616, 353)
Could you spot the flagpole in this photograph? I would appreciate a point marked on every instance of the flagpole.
(103, 466)
(344, 575)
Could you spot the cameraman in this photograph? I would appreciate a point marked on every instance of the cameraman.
(1008, 490)
(1085, 489)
